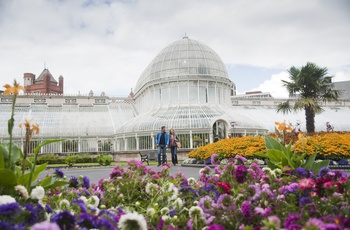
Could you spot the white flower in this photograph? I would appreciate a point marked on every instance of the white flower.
(277, 171)
(175, 194)
(64, 204)
(166, 219)
(5, 199)
(178, 203)
(94, 201)
(133, 221)
(83, 198)
(38, 193)
(23, 191)
(164, 211)
(151, 211)
(151, 188)
(191, 180)
(195, 211)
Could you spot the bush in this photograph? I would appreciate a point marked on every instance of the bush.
(71, 160)
(104, 159)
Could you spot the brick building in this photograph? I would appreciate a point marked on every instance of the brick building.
(44, 84)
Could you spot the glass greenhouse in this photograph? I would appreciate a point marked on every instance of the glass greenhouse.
(185, 87)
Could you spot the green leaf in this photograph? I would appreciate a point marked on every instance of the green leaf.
(275, 155)
(263, 155)
(38, 170)
(57, 183)
(15, 152)
(46, 142)
(272, 143)
(316, 167)
(45, 182)
(270, 164)
(310, 161)
(24, 179)
(2, 162)
(7, 178)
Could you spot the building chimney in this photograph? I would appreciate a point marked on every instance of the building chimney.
(28, 79)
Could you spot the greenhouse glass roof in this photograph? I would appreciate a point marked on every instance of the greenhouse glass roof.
(185, 57)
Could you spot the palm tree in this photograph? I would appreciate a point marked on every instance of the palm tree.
(309, 85)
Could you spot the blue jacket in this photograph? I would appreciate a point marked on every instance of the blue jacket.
(166, 138)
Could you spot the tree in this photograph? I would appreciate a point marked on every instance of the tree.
(309, 86)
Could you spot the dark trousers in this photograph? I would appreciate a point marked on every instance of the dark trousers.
(173, 154)
(161, 153)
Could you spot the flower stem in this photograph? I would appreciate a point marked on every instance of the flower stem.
(11, 122)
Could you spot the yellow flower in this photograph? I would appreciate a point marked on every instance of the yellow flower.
(30, 129)
(302, 137)
(282, 126)
(13, 89)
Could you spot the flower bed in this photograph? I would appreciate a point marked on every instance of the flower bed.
(232, 196)
(334, 146)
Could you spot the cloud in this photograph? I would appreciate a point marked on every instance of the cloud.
(274, 85)
(105, 45)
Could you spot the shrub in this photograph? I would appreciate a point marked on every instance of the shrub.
(71, 160)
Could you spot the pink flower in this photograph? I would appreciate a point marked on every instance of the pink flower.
(328, 184)
(306, 183)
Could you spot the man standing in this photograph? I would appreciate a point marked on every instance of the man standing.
(162, 141)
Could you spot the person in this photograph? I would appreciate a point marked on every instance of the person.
(162, 141)
(173, 146)
(216, 138)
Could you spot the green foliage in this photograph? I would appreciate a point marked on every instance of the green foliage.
(280, 156)
(71, 160)
(104, 159)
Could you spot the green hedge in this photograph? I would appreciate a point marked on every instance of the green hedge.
(51, 158)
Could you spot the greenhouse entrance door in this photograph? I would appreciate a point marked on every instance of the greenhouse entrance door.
(219, 130)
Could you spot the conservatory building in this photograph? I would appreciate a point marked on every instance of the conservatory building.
(185, 87)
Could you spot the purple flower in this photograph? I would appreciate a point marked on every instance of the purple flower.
(206, 203)
(214, 159)
(314, 223)
(324, 171)
(240, 173)
(33, 215)
(301, 172)
(5, 225)
(86, 182)
(216, 227)
(240, 159)
(263, 211)
(291, 220)
(246, 209)
(189, 224)
(115, 173)
(64, 219)
(224, 201)
(81, 205)
(343, 162)
(48, 209)
(87, 220)
(8, 209)
(105, 224)
(45, 226)
(59, 173)
(73, 182)
(305, 200)
(160, 224)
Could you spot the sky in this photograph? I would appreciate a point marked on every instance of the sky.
(104, 45)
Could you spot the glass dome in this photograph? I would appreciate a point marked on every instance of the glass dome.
(181, 59)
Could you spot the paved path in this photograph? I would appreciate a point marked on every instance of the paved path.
(97, 173)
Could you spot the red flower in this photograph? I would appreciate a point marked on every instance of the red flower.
(225, 186)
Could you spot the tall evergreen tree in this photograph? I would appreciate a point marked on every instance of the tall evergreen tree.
(308, 86)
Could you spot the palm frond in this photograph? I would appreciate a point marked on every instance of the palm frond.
(284, 107)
